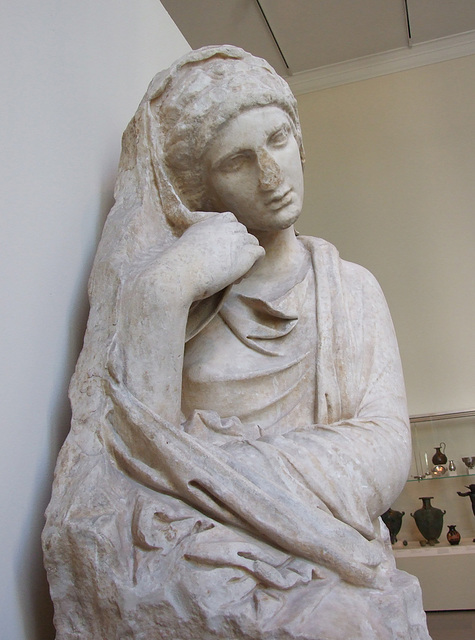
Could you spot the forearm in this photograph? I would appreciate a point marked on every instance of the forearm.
(151, 336)
(156, 298)
(153, 452)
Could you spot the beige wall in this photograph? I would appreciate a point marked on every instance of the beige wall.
(390, 180)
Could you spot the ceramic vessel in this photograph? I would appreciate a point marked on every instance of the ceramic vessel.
(439, 456)
(429, 520)
(393, 520)
(453, 536)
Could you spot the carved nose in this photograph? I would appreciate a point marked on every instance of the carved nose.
(270, 175)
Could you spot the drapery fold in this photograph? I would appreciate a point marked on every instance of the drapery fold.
(315, 491)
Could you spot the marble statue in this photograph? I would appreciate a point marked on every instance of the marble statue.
(239, 415)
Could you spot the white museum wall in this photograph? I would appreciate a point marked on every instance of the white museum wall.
(390, 181)
(72, 76)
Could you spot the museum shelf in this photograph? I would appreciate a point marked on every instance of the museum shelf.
(445, 572)
(444, 477)
(414, 549)
(453, 431)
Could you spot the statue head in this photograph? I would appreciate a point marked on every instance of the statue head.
(204, 91)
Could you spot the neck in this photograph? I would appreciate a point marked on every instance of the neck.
(283, 254)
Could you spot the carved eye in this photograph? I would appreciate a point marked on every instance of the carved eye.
(280, 137)
(233, 163)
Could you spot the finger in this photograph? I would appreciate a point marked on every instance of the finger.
(203, 216)
(237, 227)
(252, 239)
(260, 251)
(256, 252)
(227, 215)
(213, 217)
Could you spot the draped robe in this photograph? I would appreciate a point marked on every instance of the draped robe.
(241, 526)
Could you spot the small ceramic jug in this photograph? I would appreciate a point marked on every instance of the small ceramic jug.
(453, 536)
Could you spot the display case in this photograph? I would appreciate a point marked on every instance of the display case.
(451, 433)
(446, 572)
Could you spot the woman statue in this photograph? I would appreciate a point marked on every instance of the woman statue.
(239, 418)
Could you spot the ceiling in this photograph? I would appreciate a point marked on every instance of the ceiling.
(301, 37)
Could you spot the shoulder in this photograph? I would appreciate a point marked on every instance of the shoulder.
(326, 256)
(349, 286)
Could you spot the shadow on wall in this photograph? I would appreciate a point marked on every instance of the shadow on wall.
(32, 585)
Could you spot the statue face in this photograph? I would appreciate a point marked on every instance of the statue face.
(254, 170)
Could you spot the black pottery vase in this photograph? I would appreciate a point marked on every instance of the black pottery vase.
(393, 520)
(453, 536)
(429, 520)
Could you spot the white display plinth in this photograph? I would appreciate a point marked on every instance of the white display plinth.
(446, 573)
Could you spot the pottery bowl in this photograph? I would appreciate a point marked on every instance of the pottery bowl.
(469, 461)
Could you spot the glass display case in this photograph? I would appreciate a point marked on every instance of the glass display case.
(445, 435)
(444, 570)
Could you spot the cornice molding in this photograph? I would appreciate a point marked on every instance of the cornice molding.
(381, 64)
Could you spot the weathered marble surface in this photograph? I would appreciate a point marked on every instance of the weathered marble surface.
(239, 418)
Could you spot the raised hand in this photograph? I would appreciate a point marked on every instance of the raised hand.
(211, 255)
(156, 298)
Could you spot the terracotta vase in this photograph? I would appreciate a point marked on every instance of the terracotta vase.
(429, 520)
(453, 536)
(393, 520)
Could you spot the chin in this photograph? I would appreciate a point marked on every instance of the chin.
(286, 218)
(274, 227)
